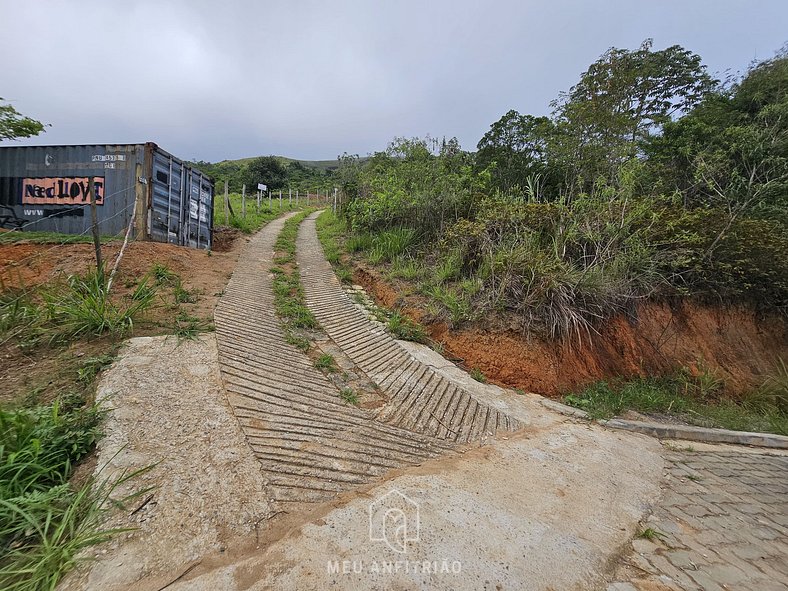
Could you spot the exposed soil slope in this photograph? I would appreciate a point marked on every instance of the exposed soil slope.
(736, 344)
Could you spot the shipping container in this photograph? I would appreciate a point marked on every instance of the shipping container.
(45, 188)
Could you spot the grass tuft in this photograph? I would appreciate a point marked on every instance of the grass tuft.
(349, 396)
(326, 363)
(477, 375)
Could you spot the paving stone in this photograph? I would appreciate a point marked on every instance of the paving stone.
(706, 583)
(686, 560)
(726, 574)
(730, 536)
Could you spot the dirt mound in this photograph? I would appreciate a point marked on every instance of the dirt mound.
(735, 343)
(224, 237)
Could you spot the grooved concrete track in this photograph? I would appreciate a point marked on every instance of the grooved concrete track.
(311, 445)
(420, 398)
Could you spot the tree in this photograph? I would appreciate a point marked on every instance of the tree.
(732, 149)
(622, 100)
(267, 170)
(514, 150)
(14, 125)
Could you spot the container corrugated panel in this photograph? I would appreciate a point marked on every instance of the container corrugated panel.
(181, 202)
(45, 188)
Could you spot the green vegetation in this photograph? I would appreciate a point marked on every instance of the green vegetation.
(187, 327)
(255, 218)
(162, 274)
(330, 230)
(650, 180)
(477, 375)
(349, 396)
(14, 125)
(288, 293)
(46, 517)
(325, 362)
(78, 307)
(404, 328)
(694, 398)
(651, 534)
(276, 172)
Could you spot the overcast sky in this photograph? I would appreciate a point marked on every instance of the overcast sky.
(229, 79)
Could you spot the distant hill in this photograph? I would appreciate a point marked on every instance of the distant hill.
(321, 165)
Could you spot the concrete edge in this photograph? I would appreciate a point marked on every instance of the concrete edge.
(669, 431)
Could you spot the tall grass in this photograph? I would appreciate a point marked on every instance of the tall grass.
(45, 521)
(49, 530)
(390, 244)
(85, 308)
(78, 307)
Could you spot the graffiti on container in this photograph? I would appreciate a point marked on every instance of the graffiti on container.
(60, 190)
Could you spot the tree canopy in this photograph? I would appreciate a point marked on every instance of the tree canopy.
(14, 125)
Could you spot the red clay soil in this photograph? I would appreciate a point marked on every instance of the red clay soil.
(735, 344)
(25, 265)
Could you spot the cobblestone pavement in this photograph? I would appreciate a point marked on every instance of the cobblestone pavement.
(722, 523)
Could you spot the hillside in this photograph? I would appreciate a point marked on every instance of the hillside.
(321, 165)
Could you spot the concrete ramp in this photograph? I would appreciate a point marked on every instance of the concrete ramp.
(420, 398)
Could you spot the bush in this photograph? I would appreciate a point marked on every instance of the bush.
(559, 268)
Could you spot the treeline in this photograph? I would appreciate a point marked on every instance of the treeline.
(276, 173)
(649, 179)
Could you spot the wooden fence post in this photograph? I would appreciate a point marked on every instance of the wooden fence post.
(226, 205)
(243, 200)
(94, 224)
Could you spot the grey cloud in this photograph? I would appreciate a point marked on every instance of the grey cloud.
(214, 80)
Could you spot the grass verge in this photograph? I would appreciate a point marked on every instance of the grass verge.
(691, 399)
(255, 217)
(12, 237)
(289, 299)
